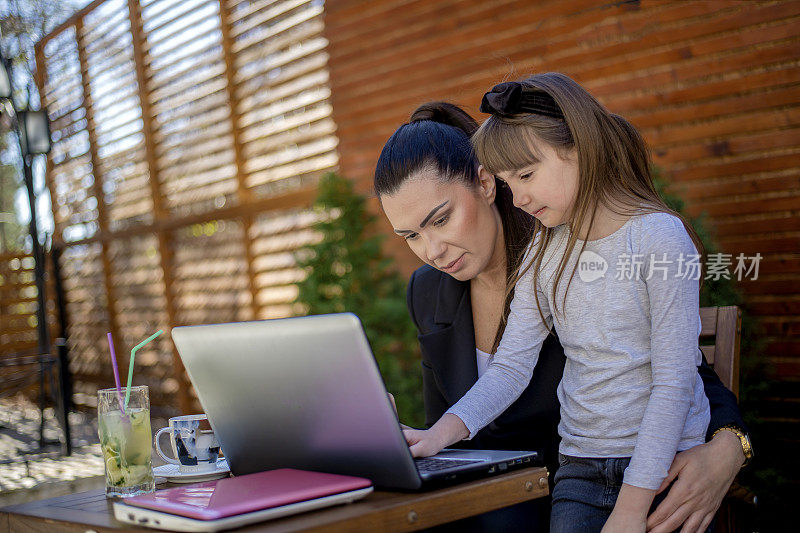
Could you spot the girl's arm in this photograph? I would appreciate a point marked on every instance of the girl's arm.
(674, 326)
(630, 512)
(506, 377)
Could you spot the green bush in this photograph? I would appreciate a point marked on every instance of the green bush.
(348, 272)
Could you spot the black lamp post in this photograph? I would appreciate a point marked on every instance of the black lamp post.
(33, 132)
(5, 81)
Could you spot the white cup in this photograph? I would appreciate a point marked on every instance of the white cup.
(195, 449)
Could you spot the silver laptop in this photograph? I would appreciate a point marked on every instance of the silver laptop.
(306, 393)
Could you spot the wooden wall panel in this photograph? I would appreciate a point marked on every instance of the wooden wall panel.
(714, 86)
(238, 126)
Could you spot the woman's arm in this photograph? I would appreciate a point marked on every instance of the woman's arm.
(410, 299)
(449, 428)
(701, 476)
(433, 399)
(724, 409)
(700, 479)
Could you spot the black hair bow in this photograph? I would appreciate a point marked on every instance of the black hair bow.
(511, 98)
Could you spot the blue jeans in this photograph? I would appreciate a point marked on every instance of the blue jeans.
(585, 492)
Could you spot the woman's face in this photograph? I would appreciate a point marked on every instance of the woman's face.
(448, 225)
(546, 188)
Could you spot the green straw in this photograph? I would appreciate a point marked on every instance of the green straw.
(130, 365)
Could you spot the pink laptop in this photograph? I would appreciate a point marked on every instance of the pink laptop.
(251, 494)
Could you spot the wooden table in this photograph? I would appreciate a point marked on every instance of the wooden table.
(380, 511)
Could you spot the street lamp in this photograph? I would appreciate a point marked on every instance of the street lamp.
(33, 133)
(33, 127)
(5, 80)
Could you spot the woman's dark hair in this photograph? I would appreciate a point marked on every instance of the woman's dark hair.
(437, 139)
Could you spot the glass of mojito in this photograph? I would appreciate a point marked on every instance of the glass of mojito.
(125, 438)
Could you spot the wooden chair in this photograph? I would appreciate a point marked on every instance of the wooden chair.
(719, 342)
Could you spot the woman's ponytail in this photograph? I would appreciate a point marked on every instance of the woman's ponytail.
(445, 113)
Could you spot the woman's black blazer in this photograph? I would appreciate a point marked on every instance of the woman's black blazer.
(440, 308)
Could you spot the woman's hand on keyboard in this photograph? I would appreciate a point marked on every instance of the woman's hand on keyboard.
(446, 431)
(394, 405)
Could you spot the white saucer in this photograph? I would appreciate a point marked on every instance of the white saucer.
(172, 473)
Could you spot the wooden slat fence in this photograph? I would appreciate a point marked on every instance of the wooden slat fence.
(189, 137)
(19, 341)
(18, 303)
(713, 85)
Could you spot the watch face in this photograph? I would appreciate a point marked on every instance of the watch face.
(747, 447)
(744, 439)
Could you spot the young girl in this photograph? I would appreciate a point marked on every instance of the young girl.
(610, 270)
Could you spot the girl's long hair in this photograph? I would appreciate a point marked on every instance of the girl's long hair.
(613, 163)
(437, 138)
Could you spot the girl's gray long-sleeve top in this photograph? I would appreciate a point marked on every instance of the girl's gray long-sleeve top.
(629, 329)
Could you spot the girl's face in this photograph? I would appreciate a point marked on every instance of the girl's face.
(546, 188)
(447, 224)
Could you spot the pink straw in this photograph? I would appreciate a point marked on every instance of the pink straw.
(116, 372)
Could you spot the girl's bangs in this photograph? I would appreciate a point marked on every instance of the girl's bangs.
(502, 147)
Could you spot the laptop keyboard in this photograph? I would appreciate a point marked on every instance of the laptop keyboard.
(432, 464)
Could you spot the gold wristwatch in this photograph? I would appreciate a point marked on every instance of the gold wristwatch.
(744, 438)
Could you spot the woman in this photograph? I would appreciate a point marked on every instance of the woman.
(472, 238)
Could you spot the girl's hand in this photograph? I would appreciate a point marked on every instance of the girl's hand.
(624, 522)
(427, 442)
(702, 477)
(423, 442)
(630, 511)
